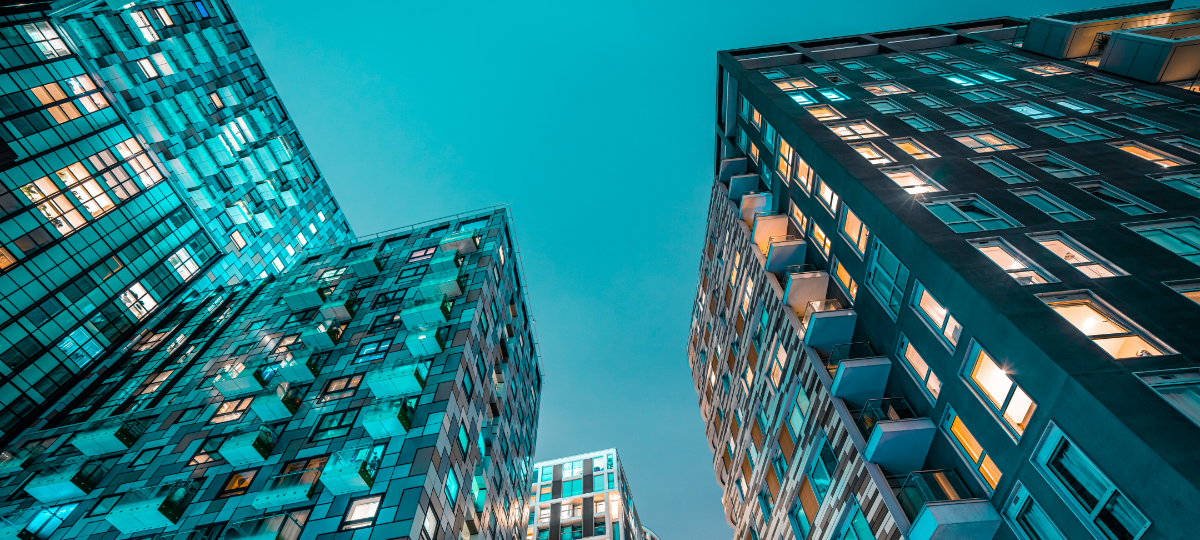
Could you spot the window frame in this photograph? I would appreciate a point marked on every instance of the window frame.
(898, 283)
(1116, 193)
(941, 329)
(1071, 169)
(997, 405)
(984, 146)
(928, 100)
(1111, 315)
(855, 134)
(321, 434)
(1059, 130)
(1148, 127)
(226, 491)
(353, 382)
(882, 157)
(927, 182)
(1081, 107)
(903, 347)
(1091, 257)
(923, 152)
(968, 115)
(918, 122)
(1062, 208)
(953, 202)
(1164, 227)
(347, 524)
(859, 240)
(1030, 267)
(1012, 172)
(1161, 155)
(1018, 503)
(976, 463)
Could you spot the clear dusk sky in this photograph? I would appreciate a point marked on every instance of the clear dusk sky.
(594, 122)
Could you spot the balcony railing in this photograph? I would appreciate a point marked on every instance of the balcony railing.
(826, 323)
(398, 377)
(153, 507)
(352, 469)
(298, 366)
(245, 377)
(366, 266)
(20, 459)
(289, 488)
(424, 342)
(845, 351)
(389, 418)
(462, 242)
(323, 335)
(248, 446)
(274, 527)
(426, 312)
(882, 410)
(306, 295)
(817, 306)
(923, 487)
(450, 283)
(277, 402)
(446, 260)
(897, 438)
(66, 480)
(339, 307)
(939, 506)
(115, 434)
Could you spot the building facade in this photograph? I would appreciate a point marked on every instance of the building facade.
(383, 389)
(583, 496)
(143, 149)
(949, 284)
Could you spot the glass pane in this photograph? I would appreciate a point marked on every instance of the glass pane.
(991, 473)
(1020, 408)
(965, 438)
(992, 380)
(1127, 347)
(1120, 519)
(1088, 320)
(933, 309)
(1078, 475)
(1034, 522)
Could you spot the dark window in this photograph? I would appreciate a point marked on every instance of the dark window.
(374, 350)
(383, 323)
(341, 387)
(237, 484)
(335, 424)
(417, 271)
(300, 317)
(364, 283)
(243, 349)
(145, 457)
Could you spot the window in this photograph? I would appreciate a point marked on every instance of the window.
(824, 113)
(913, 148)
(143, 24)
(872, 153)
(919, 122)
(965, 118)
(929, 101)
(375, 350)
(964, 65)
(885, 106)
(1077, 255)
(799, 83)
(911, 179)
(1137, 98)
(822, 242)
(1074, 105)
(1051, 205)
(1003, 395)
(145, 457)
(855, 232)
(928, 69)
(886, 89)
(828, 197)
(801, 97)
(1104, 510)
(886, 278)
(1013, 262)
(1028, 519)
(421, 254)
(1033, 89)
(969, 214)
(1073, 131)
(844, 280)
(938, 317)
(877, 75)
(983, 94)
(361, 512)
(1189, 108)
(46, 521)
(1055, 164)
(207, 453)
(1031, 110)
(903, 59)
(1186, 143)
(1186, 182)
(821, 469)
(231, 410)
(784, 162)
(1180, 237)
(854, 64)
(1136, 124)
(1123, 201)
(961, 80)
(335, 424)
(237, 484)
(294, 319)
(919, 368)
(1147, 153)
(1013, 58)
(237, 239)
(857, 129)
(341, 387)
(988, 140)
(43, 36)
(937, 55)
(1179, 387)
(1106, 327)
(993, 76)
(287, 343)
(1048, 69)
(832, 94)
(451, 486)
(970, 448)
(773, 73)
(1002, 170)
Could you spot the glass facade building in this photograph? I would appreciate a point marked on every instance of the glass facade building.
(583, 496)
(949, 282)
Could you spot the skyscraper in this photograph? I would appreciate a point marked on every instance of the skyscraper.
(386, 389)
(144, 149)
(949, 282)
(583, 496)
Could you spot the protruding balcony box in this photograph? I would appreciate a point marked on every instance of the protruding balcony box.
(753, 203)
(245, 377)
(858, 372)
(290, 487)
(20, 459)
(897, 439)
(424, 342)
(786, 251)
(426, 312)
(397, 377)
(299, 366)
(388, 418)
(247, 447)
(116, 434)
(367, 265)
(462, 242)
(729, 168)
(741, 185)
(451, 283)
(803, 286)
(766, 225)
(444, 261)
(825, 324)
(339, 307)
(306, 296)
(278, 402)
(69, 479)
(940, 508)
(352, 470)
(274, 527)
(153, 507)
(323, 335)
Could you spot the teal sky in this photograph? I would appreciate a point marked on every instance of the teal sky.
(594, 121)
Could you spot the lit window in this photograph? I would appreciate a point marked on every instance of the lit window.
(980, 461)
(1123, 201)
(858, 129)
(961, 80)
(919, 123)
(832, 94)
(844, 280)
(46, 521)
(1179, 387)
(937, 55)
(237, 239)
(1049, 70)
(147, 67)
(1025, 515)
(919, 368)
(1181, 237)
(802, 98)
(46, 39)
(855, 232)
(885, 106)
(911, 179)
(143, 24)
(755, 118)
(929, 101)
(231, 410)
(801, 221)
(1147, 153)
(783, 164)
(913, 148)
(1051, 205)
(983, 94)
(966, 118)
(873, 154)
(1136, 124)
(1055, 164)
(798, 83)
(822, 241)
(828, 197)
(369, 352)
(1074, 105)
(237, 484)
(1137, 98)
(986, 141)
(824, 113)
(1001, 392)
(362, 512)
(886, 89)
(341, 387)
(1077, 255)
(1002, 170)
(207, 453)
(1073, 131)
(932, 313)
(821, 68)
(1104, 326)
(886, 278)
(1186, 182)
(1013, 262)
(1031, 110)
(753, 152)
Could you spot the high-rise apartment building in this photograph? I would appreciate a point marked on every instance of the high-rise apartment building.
(384, 389)
(143, 150)
(583, 496)
(949, 286)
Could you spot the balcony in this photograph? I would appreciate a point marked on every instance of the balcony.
(288, 488)
(398, 377)
(446, 260)
(462, 242)
(449, 283)
(897, 439)
(389, 418)
(153, 507)
(275, 527)
(116, 434)
(248, 446)
(323, 335)
(858, 373)
(299, 367)
(339, 307)
(367, 265)
(803, 285)
(424, 342)
(306, 296)
(66, 480)
(278, 402)
(753, 203)
(825, 324)
(765, 226)
(244, 377)
(352, 470)
(12, 526)
(19, 460)
(940, 508)
(426, 312)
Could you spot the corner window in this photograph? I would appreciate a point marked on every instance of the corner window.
(1011, 261)
(995, 387)
(969, 214)
(989, 140)
(1051, 205)
(1055, 164)
(926, 378)
(1077, 255)
(1123, 201)
(971, 450)
(1005, 172)
(1105, 326)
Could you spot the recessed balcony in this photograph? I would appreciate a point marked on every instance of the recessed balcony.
(858, 373)
(397, 377)
(367, 265)
(449, 283)
(291, 487)
(248, 446)
(274, 527)
(389, 418)
(306, 296)
(245, 377)
(339, 307)
(825, 324)
(116, 434)
(20, 459)
(66, 480)
(323, 335)
(940, 508)
(897, 438)
(446, 260)
(153, 507)
(278, 402)
(426, 312)
(299, 366)
(424, 342)
(352, 470)
(462, 242)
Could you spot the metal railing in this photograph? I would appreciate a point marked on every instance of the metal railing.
(274, 527)
(875, 411)
(923, 487)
